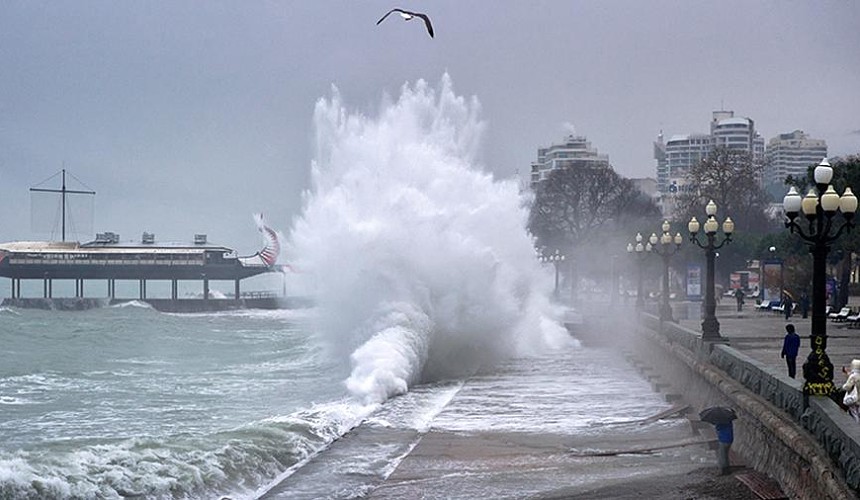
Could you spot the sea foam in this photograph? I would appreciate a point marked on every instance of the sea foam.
(421, 261)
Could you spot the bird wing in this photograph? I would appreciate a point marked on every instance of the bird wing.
(427, 23)
(388, 14)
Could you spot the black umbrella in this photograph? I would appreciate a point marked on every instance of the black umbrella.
(718, 415)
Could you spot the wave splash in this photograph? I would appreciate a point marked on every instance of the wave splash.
(421, 261)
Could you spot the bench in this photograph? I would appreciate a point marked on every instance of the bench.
(780, 308)
(841, 316)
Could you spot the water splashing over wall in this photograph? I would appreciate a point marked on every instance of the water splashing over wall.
(421, 262)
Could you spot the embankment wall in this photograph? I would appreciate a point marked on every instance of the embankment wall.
(813, 452)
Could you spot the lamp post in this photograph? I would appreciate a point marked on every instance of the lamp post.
(819, 207)
(710, 325)
(640, 257)
(557, 258)
(666, 251)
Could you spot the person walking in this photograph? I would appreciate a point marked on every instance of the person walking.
(787, 306)
(804, 305)
(852, 386)
(739, 296)
(790, 346)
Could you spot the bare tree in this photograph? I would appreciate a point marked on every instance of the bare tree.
(582, 203)
(731, 178)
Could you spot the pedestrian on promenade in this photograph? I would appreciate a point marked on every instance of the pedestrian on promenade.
(739, 296)
(804, 305)
(790, 346)
(852, 385)
(787, 306)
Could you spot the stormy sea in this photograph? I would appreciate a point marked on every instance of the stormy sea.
(431, 314)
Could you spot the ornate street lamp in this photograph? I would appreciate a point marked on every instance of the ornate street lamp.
(666, 251)
(556, 259)
(640, 254)
(819, 207)
(710, 325)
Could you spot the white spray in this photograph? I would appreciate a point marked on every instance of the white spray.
(422, 264)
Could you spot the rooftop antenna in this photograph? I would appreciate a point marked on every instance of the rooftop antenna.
(63, 192)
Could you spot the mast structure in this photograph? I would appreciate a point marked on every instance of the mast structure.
(63, 192)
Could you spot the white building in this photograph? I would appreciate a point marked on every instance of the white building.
(574, 151)
(675, 156)
(790, 154)
(736, 133)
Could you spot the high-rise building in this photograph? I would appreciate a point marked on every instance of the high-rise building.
(735, 133)
(675, 156)
(573, 152)
(790, 154)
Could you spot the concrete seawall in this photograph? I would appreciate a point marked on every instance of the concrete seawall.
(812, 452)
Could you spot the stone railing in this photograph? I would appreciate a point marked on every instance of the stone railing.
(812, 452)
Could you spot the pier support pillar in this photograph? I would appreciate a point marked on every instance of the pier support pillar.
(13, 288)
(238, 292)
(174, 289)
(50, 288)
(205, 289)
(142, 289)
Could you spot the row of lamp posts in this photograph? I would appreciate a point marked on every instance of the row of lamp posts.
(819, 207)
(665, 249)
(661, 246)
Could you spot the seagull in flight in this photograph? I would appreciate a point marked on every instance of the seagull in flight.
(408, 16)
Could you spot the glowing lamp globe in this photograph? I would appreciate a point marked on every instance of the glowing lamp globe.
(830, 200)
(823, 172)
(791, 202)
(848, 202)
(729, 226)
(693, 226)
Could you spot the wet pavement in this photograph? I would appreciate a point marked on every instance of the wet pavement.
(759, 335)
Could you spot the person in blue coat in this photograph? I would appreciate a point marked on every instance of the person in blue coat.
(790, 346)
(725, 437)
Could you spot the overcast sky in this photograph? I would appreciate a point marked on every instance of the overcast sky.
(188, 116)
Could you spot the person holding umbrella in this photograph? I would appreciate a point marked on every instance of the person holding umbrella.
(722, 418)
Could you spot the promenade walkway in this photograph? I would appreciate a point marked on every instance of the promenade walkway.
(503, 464)
(759, 335)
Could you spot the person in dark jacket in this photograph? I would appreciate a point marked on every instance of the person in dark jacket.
(790, 346)
(787, 306)
(804, 305)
